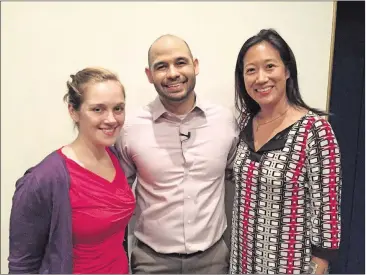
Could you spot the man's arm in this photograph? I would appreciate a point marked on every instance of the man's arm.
(229, 184)
(232, 152)
(126, 162)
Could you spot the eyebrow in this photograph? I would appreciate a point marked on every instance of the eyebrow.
(158, 64)
(180, 58)
(102, 104)
(265, 61)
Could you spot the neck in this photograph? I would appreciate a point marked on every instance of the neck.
(180, 107)
(86, 150)
(269, 112)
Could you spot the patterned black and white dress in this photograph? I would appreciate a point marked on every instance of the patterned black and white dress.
(287, 199)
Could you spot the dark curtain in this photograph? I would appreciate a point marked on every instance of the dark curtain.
(347, 104)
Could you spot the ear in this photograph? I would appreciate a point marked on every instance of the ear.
(287, 74)
(196, 66)
(73, 113)
(149, 75)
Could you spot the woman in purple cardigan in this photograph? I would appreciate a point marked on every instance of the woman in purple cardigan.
(70, 211)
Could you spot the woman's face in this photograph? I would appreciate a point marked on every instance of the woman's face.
(102, 113)
(265, 74)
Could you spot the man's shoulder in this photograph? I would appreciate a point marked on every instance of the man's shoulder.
(138, 115)
(215, 109)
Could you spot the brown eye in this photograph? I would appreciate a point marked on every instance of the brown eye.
(160, 67)
(119, 109)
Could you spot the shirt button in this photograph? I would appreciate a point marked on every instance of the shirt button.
(188, 197)
(189, 221)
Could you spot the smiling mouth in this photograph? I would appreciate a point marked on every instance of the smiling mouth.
(174, 86)
(109, 131)
(264, 90)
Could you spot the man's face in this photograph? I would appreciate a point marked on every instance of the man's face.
(172, 69)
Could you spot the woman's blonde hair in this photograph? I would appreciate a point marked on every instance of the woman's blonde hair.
(79, 82)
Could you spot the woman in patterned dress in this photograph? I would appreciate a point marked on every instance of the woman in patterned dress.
(287, 171)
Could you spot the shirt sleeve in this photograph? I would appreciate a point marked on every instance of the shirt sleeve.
(30, 218)
(324, 174)
(127, 164)
(232, 152)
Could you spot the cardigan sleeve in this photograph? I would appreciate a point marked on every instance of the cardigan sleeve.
(324, 173)
(29, 226)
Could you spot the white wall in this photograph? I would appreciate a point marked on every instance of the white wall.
(43, 43)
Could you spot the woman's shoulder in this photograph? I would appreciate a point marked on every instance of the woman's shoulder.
(47, 174)
(315, 120)
(317, 127)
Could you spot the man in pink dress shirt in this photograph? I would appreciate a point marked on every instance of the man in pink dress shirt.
(180, 149)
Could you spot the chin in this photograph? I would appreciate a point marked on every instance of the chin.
(266, 101)
(177, 97)
(107, 142)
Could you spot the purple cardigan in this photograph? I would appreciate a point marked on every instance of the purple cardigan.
(40, 220)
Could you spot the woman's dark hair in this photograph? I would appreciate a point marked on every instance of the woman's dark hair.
(243, 102)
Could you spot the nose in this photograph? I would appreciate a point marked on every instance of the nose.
(172, 72)
(110, 118)
(262, 77)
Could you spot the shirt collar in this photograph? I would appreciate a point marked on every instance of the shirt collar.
(158, 109)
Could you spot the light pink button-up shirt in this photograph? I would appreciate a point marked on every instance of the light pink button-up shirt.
(180, 179)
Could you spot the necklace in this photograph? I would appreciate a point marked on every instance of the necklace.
(271, 120)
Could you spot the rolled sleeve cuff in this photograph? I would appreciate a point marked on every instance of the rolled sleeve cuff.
(324, 253)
